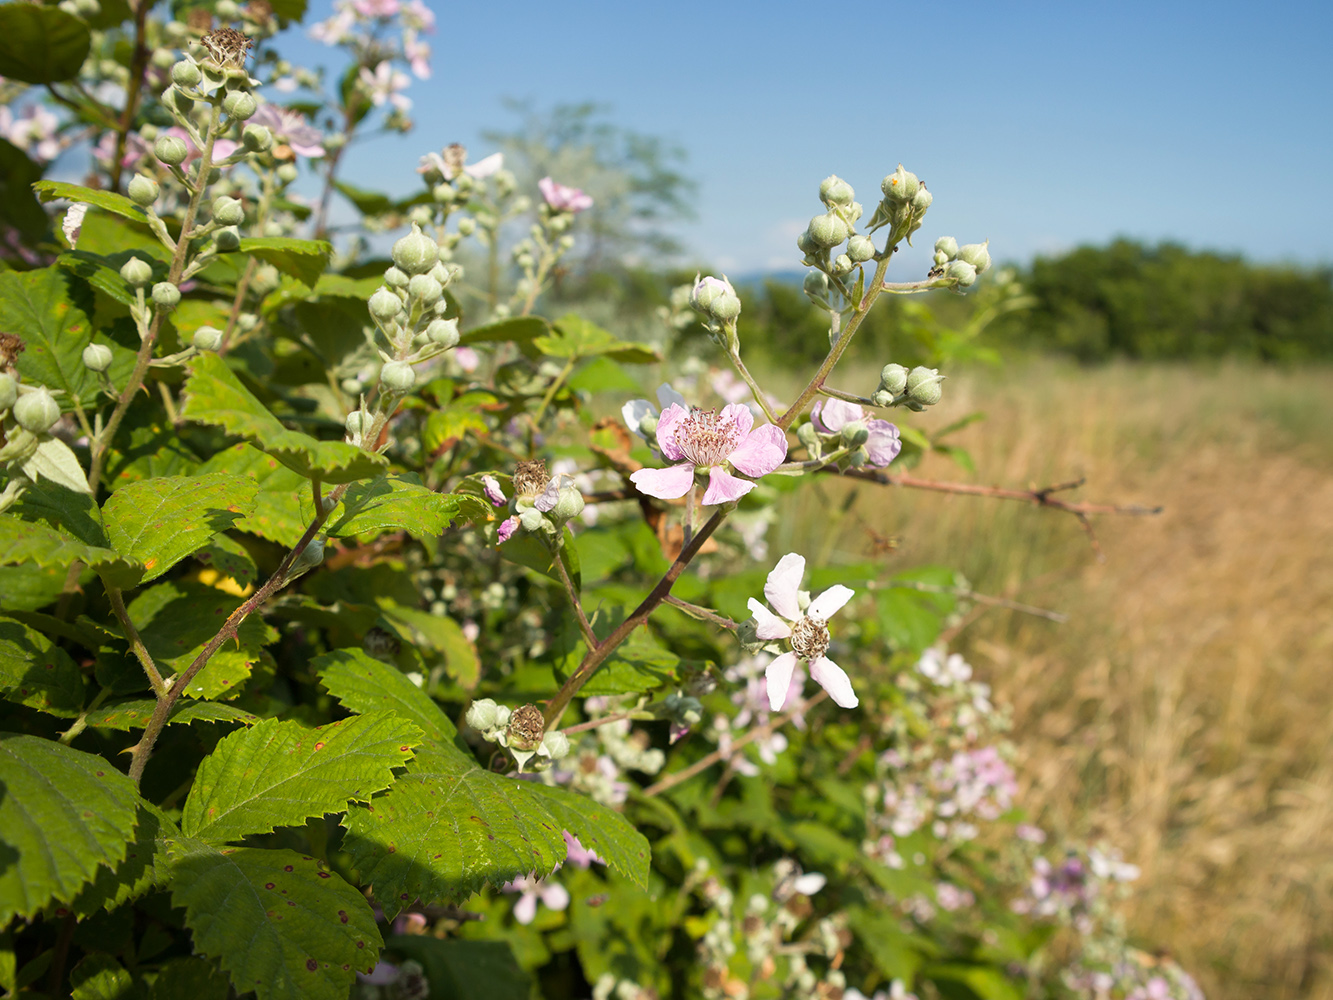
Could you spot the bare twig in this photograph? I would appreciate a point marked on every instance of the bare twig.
(703, 614)
(588, 635)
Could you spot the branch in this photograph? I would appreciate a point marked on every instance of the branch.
(588, 635)
(702, 614)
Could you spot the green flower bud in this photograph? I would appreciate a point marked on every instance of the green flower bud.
(900, 186)
(882, 397)
(240, 105)
(860, 249)
(923, 385)
(416, 253)
(288, 173)
(425, 288)
(179, 100)
(893, 378)
(828, 230)
(858, 458)
(36, 412)
(948, 246)
(162, 58)
(256, 138)
(940, 258)
(483, 715)
(806, 244)
(921, 200)
(9, 391)
(397, 376)
(809, 436)
(266, 279)
(207, 338)
(186, 74)
(443, 332)
(227, 10)
(816, 286)
(441, 273)
(143, 190)
(442, 194)
(166, 295)
(311, 556)
(842, 264)
(854, 433)
(466, 227)
(555, 745)
(228, 211)
(136, 272)
(961, 272)
(395, 278)
(715, 298)
(648, 426)
(227, 240)
(97, 357)
(170, 150)
(385, 305)
(976, 254)
(835, 191)
(569, 504)
(456, 273)
(358, 423)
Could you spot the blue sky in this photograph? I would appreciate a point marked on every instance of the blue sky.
(1036, 125)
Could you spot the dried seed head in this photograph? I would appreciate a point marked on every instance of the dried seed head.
(227, 47)
(809, 639)
(530, 478)
(526, 728)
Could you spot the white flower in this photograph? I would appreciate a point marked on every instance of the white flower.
(808, 632)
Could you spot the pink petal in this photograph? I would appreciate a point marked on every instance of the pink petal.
(666, 431)
(739, 416)
(782, 585)
(830, 415)
(761, 452)
(778, 676)
(833, 679)
(826, 605)
(526, 908)
(883, 444)
(670, 483)
(723, 487)
(555, 896)
(770, 626)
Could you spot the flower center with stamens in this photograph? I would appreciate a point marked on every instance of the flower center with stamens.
(706, 438)
(227, 47)
(530, 478)
(809, 638)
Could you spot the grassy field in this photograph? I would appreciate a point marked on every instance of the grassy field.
(1184, 712)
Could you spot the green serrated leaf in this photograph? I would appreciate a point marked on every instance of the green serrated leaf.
(100, 977)
(283, 507)
(36, 673)
(41, 44)
(112, 202)
(396, 502)
(282, 773)
(304, 260)
(175, 620)
(466, 970)
(37, 307)
(64, 813)
(158, 522)
(55, 462)
(126, 715)
(520, 330)
(42, 545)
(151, 450)
(280, 924)
(214, 395)
(448, 826)
(142, 869)
(439, 633)
(364, 684)
(229, 558)
(194, 978)
(634, 668)
(366, 202)
(577, 338)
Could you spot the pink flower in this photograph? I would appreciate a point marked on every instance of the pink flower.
(292, 128)
(418, 17)
(808, 633)
(491, 487)
(384, 84)
(376, 8)
(507, 528)
(578, 855)
(831, 415)
(467, 358)
(73, 224)
(563, 199)
(703, 440)
(417, 54)
(532, 889)
(336, 29)
(35, 131)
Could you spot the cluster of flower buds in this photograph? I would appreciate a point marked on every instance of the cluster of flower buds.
(837, 427)
(521, 731)
(28, 449)
(825, 233)
(718, 307)
(541, 502)
(916, 389)
(903, 206)
(959, 266)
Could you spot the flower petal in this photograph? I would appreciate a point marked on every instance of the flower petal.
(783, 583)
(670, 483)
(831, 415)
(883, 445)
(667, 395)
(826, 605)
(833, 679)
(762, 451)
(723, 487)
(768, 625)
(666, 431)
(555, 896)
(634, 411)
(778, 676)
(526, 907)
(507, 528)
(739, 416)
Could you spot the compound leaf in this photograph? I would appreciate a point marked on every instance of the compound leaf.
(282, 773)
(364, 684)
(278, 922)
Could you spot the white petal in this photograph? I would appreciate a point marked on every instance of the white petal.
(833, 679)
(782, 585)
(634, 411)
(827, 604)
(809, 883)
(667, 395)
(770, 626)
(778, 676)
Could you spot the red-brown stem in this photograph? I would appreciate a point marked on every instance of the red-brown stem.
(572, 593)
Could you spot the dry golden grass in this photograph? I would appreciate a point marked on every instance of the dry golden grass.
(1185, 711)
